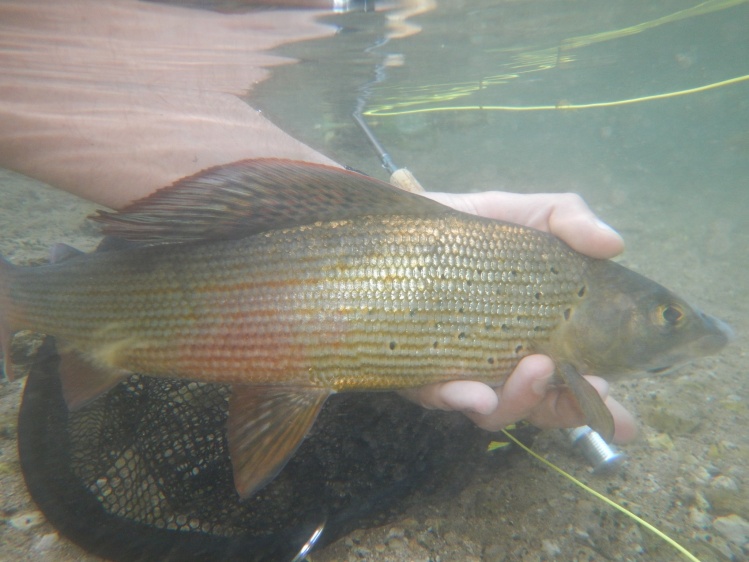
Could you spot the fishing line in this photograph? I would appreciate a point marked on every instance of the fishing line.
(388, 111)
(603, 498)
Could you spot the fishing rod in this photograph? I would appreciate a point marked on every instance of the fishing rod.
(399, 176)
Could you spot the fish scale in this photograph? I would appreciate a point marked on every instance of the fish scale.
(363, 284)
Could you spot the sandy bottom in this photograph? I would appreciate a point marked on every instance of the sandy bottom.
(686, 474)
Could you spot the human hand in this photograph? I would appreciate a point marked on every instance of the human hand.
(529, 392)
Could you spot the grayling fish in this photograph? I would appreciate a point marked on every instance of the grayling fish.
(291, 281)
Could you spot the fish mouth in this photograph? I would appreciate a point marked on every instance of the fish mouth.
(728, 333)
(719, 335)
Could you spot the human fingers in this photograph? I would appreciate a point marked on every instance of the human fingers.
(559, 408)
(625, 425)
(565, 215)
(463, 396)
(522, 392)
(530, 394)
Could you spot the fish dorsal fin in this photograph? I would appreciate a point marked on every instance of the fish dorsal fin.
(266, 425)
(251, 196)
(597, 415)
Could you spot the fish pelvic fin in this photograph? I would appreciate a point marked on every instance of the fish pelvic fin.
(256, 195)
(6, 330)
(83, 381)
(597, 415)
(266, 426)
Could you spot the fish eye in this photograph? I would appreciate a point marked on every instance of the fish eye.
(670, 314)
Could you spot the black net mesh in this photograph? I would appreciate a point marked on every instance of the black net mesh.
(143, 473)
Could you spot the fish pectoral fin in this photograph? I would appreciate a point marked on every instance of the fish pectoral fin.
(597, 415)
(266, 426)
(82, 381)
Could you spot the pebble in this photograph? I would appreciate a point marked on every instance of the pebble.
(395, 533)
(673, 418)
(661, 441)
(551, 548)
(701, 502)
(363, 553)
(451, 537)
(397, 545)
(700, 473)
(719, 544)
(46, 542)
(582, 535)
(411, 524)
(724, 483)
(733, 528)
(27, 520)
(494, 552)
(699, 518)
(726, 496)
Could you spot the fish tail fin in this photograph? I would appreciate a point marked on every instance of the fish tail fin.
(6, 330)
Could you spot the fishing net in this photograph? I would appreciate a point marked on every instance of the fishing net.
(143, 473)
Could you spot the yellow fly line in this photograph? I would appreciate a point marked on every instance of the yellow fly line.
(561, 105)
(663, 536)
(415, 99)
(698, 10)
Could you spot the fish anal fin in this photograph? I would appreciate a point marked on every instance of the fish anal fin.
(83, 381)
(597, 415)
(266, 426)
